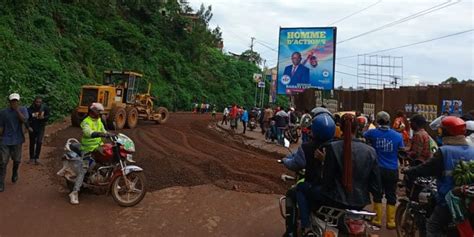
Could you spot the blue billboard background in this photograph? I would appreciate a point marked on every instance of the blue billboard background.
(313, 53)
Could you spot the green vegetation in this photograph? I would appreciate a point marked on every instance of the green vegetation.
(51, 48)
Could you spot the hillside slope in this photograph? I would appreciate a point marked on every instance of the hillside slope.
(51, 49)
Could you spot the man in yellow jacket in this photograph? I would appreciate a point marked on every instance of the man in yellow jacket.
(93, 130)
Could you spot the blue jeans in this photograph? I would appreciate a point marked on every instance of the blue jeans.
(307, 196)
(280, 136)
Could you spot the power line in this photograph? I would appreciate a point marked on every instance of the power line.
(408, 45)
(266, 46)
(404, 19)
(354, 13)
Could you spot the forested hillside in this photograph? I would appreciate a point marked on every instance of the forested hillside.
(51, 48)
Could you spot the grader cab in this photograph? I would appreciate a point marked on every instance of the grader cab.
(126, 98)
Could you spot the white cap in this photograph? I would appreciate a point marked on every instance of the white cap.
(470, 125)
(97, 106)
(14, 96)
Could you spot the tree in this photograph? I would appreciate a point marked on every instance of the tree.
(251, 56)
(450, 80)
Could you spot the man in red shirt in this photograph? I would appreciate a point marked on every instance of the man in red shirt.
(420, 143)
(234, 112)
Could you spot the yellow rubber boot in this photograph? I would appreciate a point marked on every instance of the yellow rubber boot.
(377, 220)
(391, 209)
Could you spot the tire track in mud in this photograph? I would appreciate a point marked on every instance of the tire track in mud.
(214, 168)
(186, 151)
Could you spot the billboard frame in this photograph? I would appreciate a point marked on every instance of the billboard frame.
(333, 48)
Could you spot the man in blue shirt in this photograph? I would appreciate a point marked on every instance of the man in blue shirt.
(386, 142)
(12, 120)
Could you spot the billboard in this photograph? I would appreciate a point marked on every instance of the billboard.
(306, 58)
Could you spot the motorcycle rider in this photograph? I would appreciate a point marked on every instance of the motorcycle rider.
(350, 171)
(93, 130)
(386, 142)
(454, 149)
(323, 128)
(346, 175)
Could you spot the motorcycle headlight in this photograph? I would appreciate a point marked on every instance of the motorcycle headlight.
(130, 158)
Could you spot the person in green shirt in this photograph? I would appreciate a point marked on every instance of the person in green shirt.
(93, 130)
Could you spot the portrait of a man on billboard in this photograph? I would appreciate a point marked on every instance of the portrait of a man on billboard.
(297, 71)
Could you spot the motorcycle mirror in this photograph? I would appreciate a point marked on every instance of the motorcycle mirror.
(287, 143)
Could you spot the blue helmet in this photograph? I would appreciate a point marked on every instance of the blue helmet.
(323, 127)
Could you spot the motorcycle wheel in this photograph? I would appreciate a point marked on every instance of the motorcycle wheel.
(406, 223)
(125, 197)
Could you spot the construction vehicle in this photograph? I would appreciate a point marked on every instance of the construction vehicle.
(126, 98)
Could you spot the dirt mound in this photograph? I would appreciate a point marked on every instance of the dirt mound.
(187, 152)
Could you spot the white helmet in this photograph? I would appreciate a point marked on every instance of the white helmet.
(97, 106)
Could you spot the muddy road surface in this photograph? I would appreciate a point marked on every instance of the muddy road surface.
(201, 182)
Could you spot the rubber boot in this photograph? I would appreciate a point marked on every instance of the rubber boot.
(15, 172)
(377, 220)
(391, 209)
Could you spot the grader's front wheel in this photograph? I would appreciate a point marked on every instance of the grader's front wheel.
(164, 114)
(117, 115)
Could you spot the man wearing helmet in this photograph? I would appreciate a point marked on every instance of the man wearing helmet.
(448, 156)
(323, 129)
(386, 143)
(92, 132)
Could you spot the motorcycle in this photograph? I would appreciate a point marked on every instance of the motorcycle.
(326, 220)
(106, 169)
(417, 203)
(252, 124)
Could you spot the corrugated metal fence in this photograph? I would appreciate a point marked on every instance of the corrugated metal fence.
(392, 100)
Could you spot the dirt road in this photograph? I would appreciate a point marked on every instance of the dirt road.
(201, 183)
(190, 170)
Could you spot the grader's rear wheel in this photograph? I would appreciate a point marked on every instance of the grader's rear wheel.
(132, 117)
(164, 114)
(117, 115)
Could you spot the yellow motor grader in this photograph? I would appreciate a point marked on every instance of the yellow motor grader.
(126, 98)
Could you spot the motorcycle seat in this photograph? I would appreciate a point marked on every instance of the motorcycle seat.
(76, 147)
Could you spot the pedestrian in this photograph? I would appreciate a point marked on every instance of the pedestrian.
(38, 114)
(386, 142)
(12, 120)
(401, 125)
(233, 114)
(267, 117)
(244, 118)
(281, 124)
(305, 125)
(421, 143)
(225, 114)
(214, 111)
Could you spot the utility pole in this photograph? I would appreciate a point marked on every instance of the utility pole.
(264, 79)
(251, 49)
(251, 43)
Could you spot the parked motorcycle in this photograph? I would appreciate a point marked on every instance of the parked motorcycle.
(107, 169)
(326, 220)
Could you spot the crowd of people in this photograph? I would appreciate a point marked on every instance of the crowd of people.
(375, 164)
(14, 121)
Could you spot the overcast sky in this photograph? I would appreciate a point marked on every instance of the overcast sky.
(429, 62)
